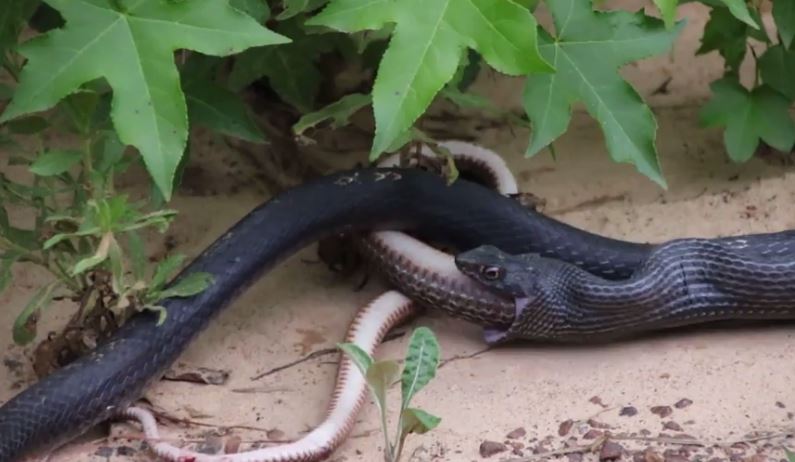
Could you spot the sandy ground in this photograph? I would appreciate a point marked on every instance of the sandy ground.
(726, 384)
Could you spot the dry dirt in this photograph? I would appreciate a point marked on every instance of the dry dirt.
(739, 380)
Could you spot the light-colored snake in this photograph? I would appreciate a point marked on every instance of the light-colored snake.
(400, 254)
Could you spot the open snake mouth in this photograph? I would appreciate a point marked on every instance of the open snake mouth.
(520, 303)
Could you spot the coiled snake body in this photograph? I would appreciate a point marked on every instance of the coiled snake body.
(464, 215)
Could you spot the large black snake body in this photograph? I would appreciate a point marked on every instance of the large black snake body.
(464, 215)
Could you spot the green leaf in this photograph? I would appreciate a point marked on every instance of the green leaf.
(777, 67)
(668, 11)
(290, 68)
(51, 163)
(422, 360)
(790, 455)
(749, 117)
(189, 285)
(295, 7)
(429, 39)
(257, 9)
(28, 125)
(164, 269)
(380, 375)
(217, 108)
(418, 421)
(784, 16)
(99, 256)
(360, 358)
(338, 112)
(24, 330)
(589, 49)
(116, 259)
(726, 35)
(739, 10)
(133, 50)
(6, 92)
(161, 311)
(7, 261)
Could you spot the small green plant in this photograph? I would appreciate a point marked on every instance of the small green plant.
(422, 360)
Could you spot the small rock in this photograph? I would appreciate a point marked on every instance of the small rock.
(649, 455)
(757, 458)
(232, 445)
(683, 403)
(275, 434)
(597, 400)
(662, 411)
(125, 451)
(671, 425)
(565, 427)
(516, 434)
(596, 424)
(592, 434)
(104, 451)
(574, 457)
(489, 448)
(780, 404)
(610, 451)
(628, 411)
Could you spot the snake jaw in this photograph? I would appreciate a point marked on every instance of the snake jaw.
(493, 335)
(520, 304)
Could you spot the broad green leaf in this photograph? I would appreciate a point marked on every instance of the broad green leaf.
(667, 11)
(99, 256)
(217, 108)
(360, 358)
(165, 268)
(380, 375)
(290, 68)
(739, 10)
(338, 112)
(28, 125)
(294, 7)
(133, 48)
(189, 285)
(587, 52)
(24, 330)
(257, 9)
(418, 421)
(777, 67)
(422, 359)
(748, 117)
(784, 16)
(6, 92)
(51, 163)
(790, 455)
(429, 39)
(726, 35)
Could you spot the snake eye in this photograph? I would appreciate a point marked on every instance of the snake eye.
(491, 273)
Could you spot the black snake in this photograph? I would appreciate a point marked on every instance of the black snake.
(464, 215)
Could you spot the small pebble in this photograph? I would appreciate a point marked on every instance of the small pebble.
(780, 404)
(671, 425)
(565, 427)
(675, 458)
(649, 455)
(516, 433)
(683, 403)
(610, 451)
(662, 411)
(592, 434)
(628, 411)
(489, 448)
(574, 457)
(596, 424)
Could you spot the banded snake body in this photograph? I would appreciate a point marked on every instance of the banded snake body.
(464, 215)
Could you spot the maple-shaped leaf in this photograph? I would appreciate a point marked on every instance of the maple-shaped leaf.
(427, 44)
(749, 116)
(587, 52)
(131, 44)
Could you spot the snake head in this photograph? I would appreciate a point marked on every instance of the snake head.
(516, 276)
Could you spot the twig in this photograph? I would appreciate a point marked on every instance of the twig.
(561, 452)
(316, 354)
(697, 442)
(447, 361)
